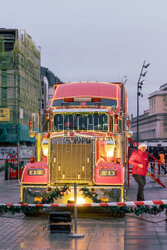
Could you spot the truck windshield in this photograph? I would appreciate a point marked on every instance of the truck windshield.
(81, 122)
(104, 102)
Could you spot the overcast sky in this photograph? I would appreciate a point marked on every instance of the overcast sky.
(101, 40)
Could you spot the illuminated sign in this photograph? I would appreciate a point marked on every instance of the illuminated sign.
(85, 121)
(4, 114)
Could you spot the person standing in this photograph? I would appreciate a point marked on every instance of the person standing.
(140, 163)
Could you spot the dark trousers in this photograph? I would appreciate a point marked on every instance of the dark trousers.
(141, 181)
(164, 168)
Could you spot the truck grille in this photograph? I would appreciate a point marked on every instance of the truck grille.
(72, 161)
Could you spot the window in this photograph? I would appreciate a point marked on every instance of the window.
(43, 105)
(104, 102)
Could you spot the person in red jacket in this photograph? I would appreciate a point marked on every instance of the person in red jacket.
(140, 163)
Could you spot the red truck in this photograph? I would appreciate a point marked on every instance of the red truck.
(86, 142)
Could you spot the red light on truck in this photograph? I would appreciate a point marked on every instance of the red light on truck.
(68, 99)
(96, 99)
(32, 159)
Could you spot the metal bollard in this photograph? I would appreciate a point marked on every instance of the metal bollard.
(75, 235)
(6, 171)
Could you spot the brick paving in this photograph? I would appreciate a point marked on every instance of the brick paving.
(131, 232)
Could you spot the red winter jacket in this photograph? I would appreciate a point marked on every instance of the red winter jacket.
(139, 157)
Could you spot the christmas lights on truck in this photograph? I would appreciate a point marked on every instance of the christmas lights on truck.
(86, 142)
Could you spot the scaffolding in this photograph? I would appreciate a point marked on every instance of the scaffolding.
(20, 85)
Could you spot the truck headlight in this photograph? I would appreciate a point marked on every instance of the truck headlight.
(110, 152)
(110, 147)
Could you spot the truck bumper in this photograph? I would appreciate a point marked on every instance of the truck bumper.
(35, 193)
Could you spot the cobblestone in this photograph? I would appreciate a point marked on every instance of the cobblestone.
(131, 232)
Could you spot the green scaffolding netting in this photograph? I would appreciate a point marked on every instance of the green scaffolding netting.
(6, 60)
(20, 84)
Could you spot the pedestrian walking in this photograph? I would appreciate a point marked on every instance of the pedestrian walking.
(150, 158)
(162, 161)
(140, 163)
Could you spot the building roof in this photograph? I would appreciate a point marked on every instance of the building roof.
(162, 91)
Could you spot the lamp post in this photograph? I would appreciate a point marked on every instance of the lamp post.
(139, 88)
(39, 113)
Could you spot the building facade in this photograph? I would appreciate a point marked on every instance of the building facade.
(48, 80)
(20, 85)
(153, 123)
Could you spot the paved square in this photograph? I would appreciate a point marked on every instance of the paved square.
(131, 232)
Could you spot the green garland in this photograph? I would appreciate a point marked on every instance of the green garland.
(92, 195)
(47, 199)
(15, 209)
(15, 167)
(55, 195)
(116, 210)
(125, 209)
(11, 165)
(58, 194)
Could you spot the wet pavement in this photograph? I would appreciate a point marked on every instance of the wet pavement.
(131, 232)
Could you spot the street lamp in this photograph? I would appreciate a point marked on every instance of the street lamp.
(139, 88)
(39, 113)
